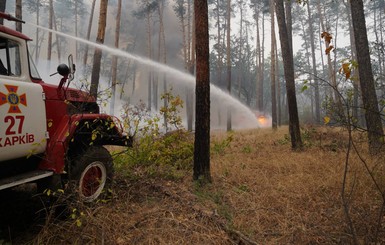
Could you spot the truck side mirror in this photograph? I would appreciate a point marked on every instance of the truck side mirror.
(63, 70)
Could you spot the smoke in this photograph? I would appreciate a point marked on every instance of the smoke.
(134, 40)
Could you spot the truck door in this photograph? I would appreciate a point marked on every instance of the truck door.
(22, 108)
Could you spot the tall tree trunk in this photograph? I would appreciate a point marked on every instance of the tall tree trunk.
(114, 64)
(57, 38)
(272, 70)
(326, 89)
(89, 32)
(228, 46)
(186, 58)
(220, 54)
(37, 49)
(18, 14)
(3, 4)
(259, 78)
(375, 31)
(50, 26)
(190, 29)
(163, 48)
(98, 52)
(76, 29)
(381, 54)
(261, 101)
(219, 62)
(314, 64)
(149, 51)
(289, 23)
(239, 63)
(324, 28)
(202, 124)
(307, 57)
(355, 77)
(369, 97)
(191, 63)
(287, 55)
(334, 69)
(261, 69)
(279, 110)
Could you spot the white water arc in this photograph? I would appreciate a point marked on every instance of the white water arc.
(189, 80)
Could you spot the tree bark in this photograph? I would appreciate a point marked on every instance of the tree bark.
(228, 64)
(149, 51)
(50, 26)
(272, 70)
(314, 64)
(3, 4)
(115, 58)
(279, 110)
(289, 23)
(220, 55)
(19, 15)
(76, 29)
(202, 123)
(190, 63)
(369, 97)
(287, 55)
(331, 77)
(354, 76)
(98, 52)
(57, 38)
(89, 32)
(239, 63)
(259, 79)
(162, 47)
(37, 50)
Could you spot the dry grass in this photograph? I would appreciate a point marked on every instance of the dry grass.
(262, 193)
(280, 196)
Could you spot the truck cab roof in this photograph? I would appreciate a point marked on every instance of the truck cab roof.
(12, 32)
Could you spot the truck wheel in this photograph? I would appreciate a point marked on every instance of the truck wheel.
(92, 173)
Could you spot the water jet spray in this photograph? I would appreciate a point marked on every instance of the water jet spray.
(227, 100)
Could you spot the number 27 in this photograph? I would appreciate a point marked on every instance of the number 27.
(12, 124)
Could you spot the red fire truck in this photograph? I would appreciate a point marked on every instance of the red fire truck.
(50, 134)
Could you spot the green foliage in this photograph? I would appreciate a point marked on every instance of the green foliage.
(157, 153)
(246, 149)
(340, 113)
(305, 86)
(53, 193)
(307, 135)
(77, 216)
(219, 147)
(207, 194)
(285, 140)
(171, 111)
(242, 188)
(381, 102)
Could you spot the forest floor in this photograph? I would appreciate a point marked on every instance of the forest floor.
(262, 192)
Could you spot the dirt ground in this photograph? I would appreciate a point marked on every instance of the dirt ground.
(262, 193)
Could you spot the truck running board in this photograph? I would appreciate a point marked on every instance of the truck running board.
(24, 178)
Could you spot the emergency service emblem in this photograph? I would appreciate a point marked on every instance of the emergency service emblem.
(13, 99)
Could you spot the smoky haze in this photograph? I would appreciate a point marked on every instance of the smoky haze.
(133, 39)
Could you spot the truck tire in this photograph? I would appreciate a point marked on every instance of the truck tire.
(92, 174)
